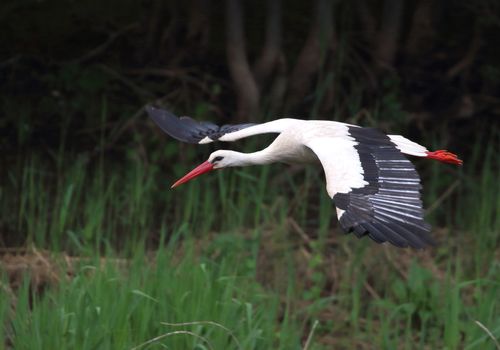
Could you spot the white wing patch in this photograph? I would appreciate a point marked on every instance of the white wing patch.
(408, 147)
(205, 140)
(340, 160)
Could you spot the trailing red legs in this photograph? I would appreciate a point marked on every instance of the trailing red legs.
(445, 157)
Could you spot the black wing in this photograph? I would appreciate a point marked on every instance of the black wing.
(186, 129)
(388, 208)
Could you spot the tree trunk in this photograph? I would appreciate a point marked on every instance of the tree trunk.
(389, 34)
(368, 23)
(278, 87)
(270, 54)
(422, 33)
(312, 53)
(199, 22)
(154, 26)
(246, 88)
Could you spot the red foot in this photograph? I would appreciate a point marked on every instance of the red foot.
(445, 157)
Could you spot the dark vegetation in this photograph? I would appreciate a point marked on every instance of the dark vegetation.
(84, 176)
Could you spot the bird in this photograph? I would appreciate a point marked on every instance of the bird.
(374, 187)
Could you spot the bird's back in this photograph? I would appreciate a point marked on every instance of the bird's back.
(290, 146)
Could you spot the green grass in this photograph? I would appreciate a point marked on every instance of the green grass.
(120, 307)
(254, 262)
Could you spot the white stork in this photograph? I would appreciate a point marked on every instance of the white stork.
(374, 187)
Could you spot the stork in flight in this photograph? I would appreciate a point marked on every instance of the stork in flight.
(374, 187)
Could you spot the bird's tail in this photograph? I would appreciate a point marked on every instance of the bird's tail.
(414, 149)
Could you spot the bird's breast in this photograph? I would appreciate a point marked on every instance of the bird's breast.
(289, 149)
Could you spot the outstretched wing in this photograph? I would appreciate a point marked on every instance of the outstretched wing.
(186, 129)
(375, 188)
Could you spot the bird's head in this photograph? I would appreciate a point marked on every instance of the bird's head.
(218, 160)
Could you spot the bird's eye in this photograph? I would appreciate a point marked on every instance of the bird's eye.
(216, 159)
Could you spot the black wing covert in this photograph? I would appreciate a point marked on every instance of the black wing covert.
(188, 130)
(389, 208)
(375, 188)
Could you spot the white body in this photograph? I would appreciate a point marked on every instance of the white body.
(309, 141)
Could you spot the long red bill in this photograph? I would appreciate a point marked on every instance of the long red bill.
(199, 170)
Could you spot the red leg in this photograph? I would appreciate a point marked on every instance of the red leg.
(445, 157)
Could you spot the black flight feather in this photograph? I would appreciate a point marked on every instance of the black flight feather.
(188, 130)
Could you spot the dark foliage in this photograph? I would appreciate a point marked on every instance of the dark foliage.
(420, 64)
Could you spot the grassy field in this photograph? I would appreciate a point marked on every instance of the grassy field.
(239, 259)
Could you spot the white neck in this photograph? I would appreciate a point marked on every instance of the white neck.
(264, 156)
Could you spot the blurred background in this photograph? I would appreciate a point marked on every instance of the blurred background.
(96, 251)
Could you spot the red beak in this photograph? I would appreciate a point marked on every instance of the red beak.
(200, 169)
